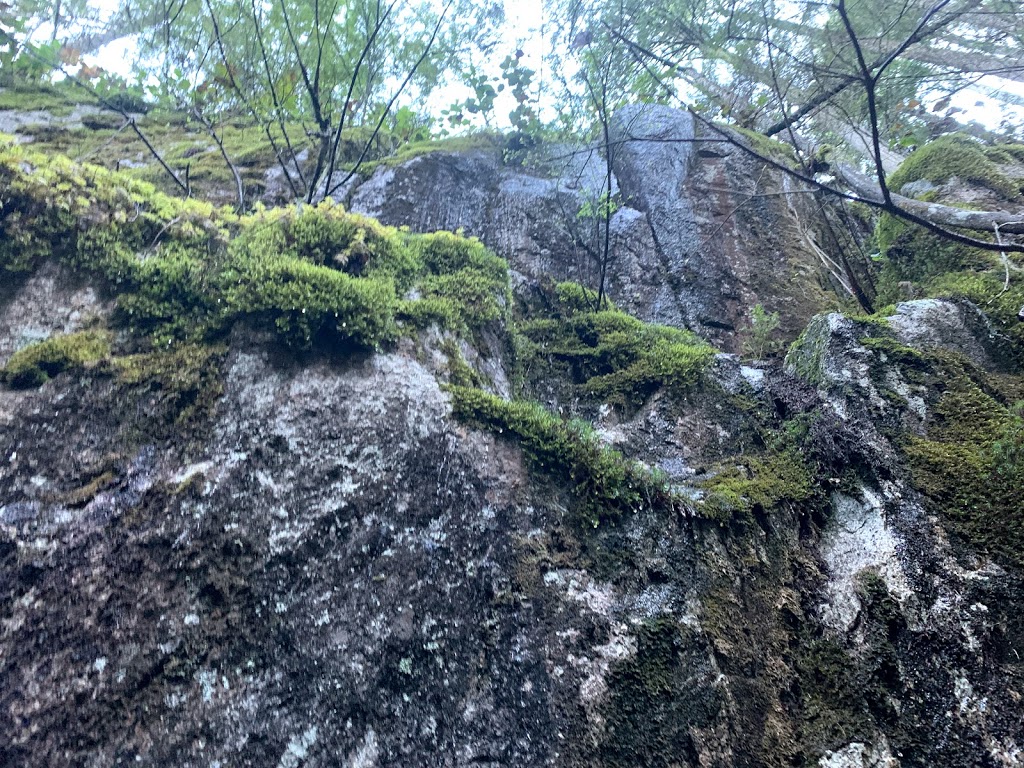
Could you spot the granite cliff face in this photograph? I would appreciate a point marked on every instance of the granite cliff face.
(240, 524)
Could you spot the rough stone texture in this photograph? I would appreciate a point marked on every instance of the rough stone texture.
(954, 326)
(700, 237)
(15, 121)
(949, 625)
(857, 540)
(329, 571)
(438, 190)
(51, 300)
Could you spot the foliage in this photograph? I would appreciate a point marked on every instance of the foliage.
(185, 271)
(761, 341)
(514, 76)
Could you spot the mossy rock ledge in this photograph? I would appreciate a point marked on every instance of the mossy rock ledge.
(300, 488)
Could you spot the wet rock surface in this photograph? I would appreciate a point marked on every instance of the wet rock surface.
(678, 253)
(303, 559)
(330, 570)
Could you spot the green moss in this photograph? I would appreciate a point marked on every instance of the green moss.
(186, 270)
(82, 495)
(892, 349)
(970, 465)
(1005, 153)
(613, 356)
(806, 354)
(58, 100)
(912, 253)
(304, 302)
(986, 291)
(460, 373)
(749, 483)
(185, 381)
(604, 483)
(466, 299)
(486, 141)
(947, 156)
(766, 146)
(574, 299)
(34, 364)
(831, 696)
(652, 706)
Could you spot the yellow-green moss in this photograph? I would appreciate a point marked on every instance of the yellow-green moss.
(748, 483)
(186, 270)
(947, 156)
(604, 483)
(475, 141)
(912, 253)
(34, 364)
(767, 146)
(988, 292)
(613, 356)
(460, 373)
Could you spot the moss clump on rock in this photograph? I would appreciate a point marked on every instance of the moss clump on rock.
(604, 483)
(914, 257)
(613, 356)
(34, 364)
(186, 270)
(956, 155)
(970, 464)
(987, 290)
(304, 301)
(59, 100)
(750, 483)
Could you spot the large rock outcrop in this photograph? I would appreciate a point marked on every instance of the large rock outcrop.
(701, 235)
(219, 549)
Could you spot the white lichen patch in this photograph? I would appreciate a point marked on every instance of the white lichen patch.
(298, 748)
(620, 646)
(857, 539)
(860, 755)
(367, 754)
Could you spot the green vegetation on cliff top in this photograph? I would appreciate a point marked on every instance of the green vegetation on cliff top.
(918, 263)
(185, 270)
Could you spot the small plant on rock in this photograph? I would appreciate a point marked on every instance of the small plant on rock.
(761, 342)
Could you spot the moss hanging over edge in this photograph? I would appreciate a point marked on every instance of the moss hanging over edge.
(604, 484)
(185, 271)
